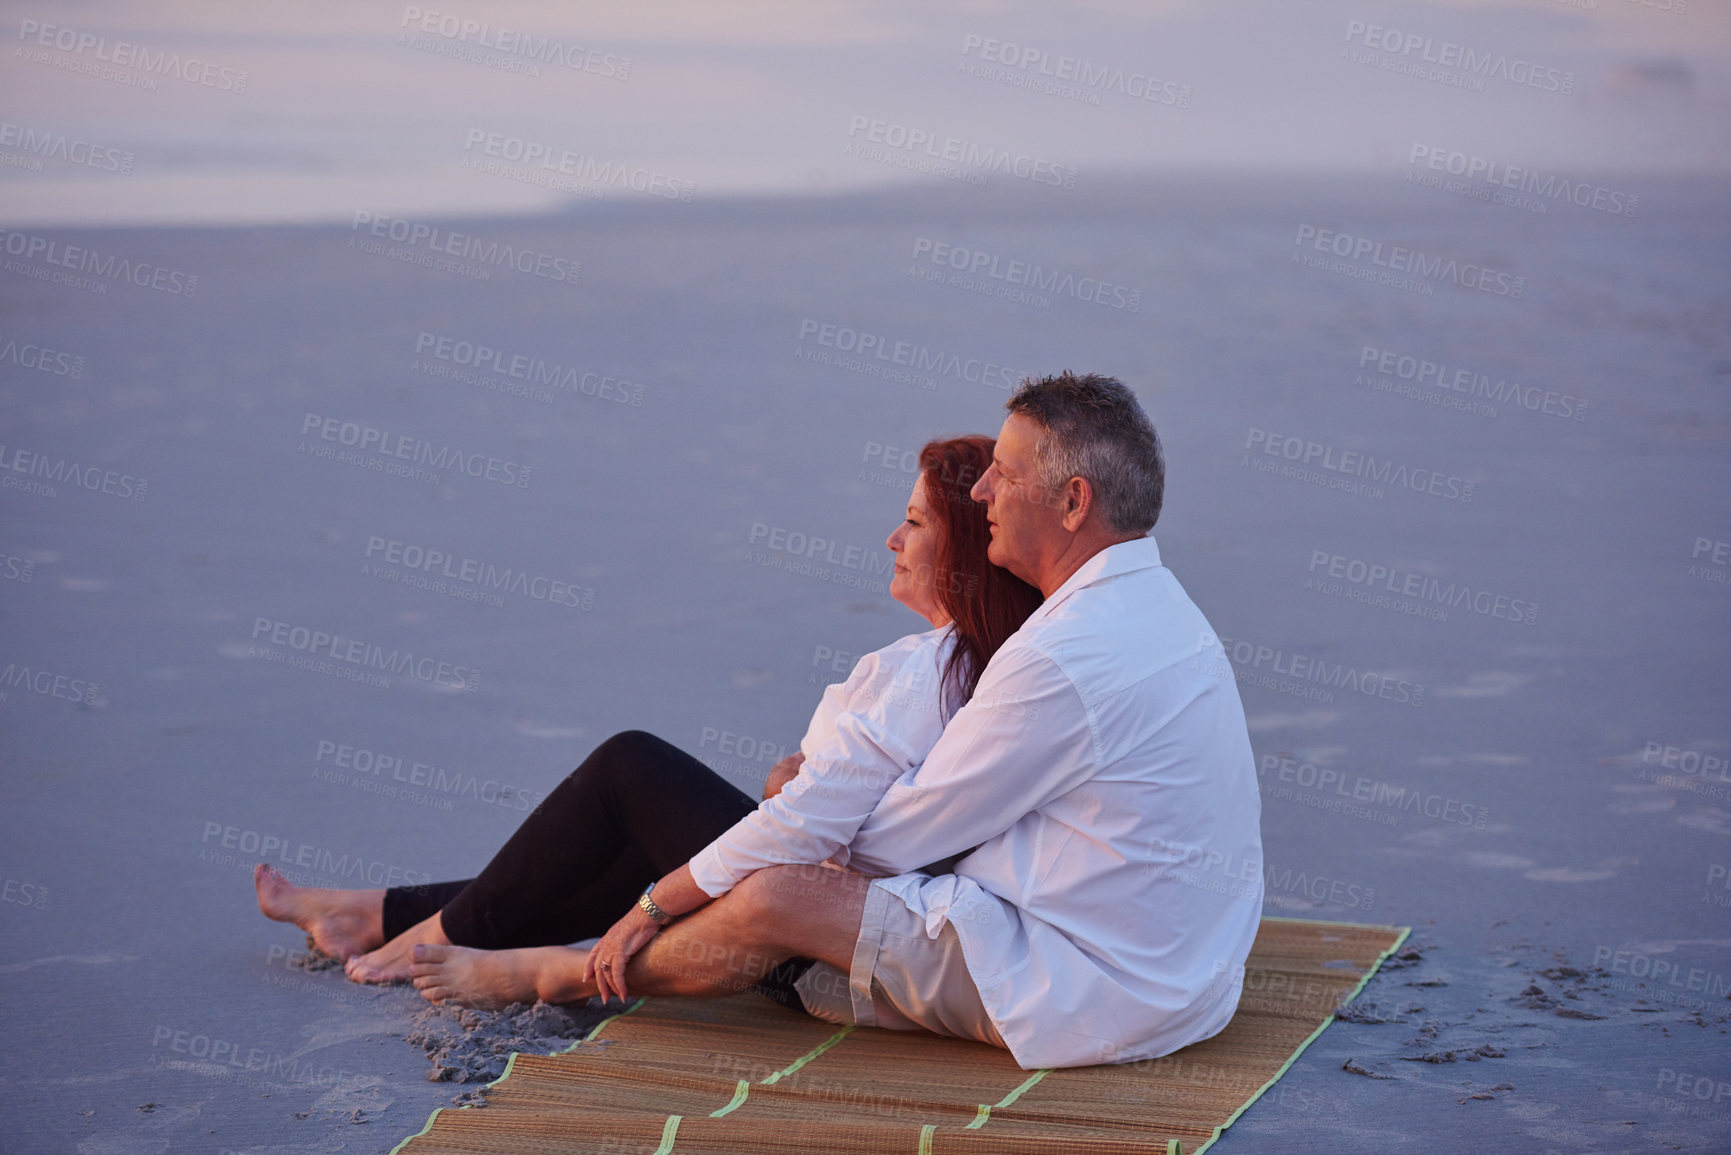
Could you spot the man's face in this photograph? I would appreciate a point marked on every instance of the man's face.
(1025, 522)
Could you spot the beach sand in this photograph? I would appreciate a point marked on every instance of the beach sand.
(1487, 692)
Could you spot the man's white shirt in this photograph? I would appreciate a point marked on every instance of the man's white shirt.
(1103, 778)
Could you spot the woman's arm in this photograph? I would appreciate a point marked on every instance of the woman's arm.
(677, 893)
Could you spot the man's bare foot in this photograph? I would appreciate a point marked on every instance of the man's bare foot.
(390, 963)
(341, 923)
(498, 978)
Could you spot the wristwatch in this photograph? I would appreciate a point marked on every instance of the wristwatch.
(647, 905)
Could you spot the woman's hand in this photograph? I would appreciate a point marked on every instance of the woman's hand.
(781, 774)
(607, 962)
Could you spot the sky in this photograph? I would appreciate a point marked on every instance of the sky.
(116, 112)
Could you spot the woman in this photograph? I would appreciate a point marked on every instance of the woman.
(639, 811)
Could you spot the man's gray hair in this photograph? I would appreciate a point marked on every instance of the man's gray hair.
(1094, 428)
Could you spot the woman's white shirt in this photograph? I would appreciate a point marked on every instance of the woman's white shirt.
(865, 734)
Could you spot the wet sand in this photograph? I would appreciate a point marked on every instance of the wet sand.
(1501, 720)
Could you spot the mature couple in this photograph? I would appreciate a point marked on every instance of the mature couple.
(1005, 828)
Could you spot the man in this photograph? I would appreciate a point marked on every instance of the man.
(1099, 789)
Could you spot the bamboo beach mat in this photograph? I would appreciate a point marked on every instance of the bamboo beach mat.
(745, 1076)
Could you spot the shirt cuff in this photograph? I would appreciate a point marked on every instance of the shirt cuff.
(711, 877)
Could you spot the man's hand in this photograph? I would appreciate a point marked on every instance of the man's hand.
(781, 774)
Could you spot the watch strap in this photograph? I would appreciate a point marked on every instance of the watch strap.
(649, 907)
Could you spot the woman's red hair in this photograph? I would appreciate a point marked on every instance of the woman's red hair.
(986, 602)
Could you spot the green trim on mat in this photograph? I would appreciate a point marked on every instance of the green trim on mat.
(1405, 931)
(985, 1112)
(428, 1126)
(602, 1025)
(510, 1065)
(926, 1134)
(503, 1075)
(668, 1130)
(742, 1089)
(809, 1056)
(739, 1094)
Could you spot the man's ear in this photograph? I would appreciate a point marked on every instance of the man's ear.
(1075, 501)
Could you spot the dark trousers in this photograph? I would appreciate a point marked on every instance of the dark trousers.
(636, 809)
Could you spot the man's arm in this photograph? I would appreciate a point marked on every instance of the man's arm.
(808, 821)
(781, 774)
(877, 729)
(1021, 741)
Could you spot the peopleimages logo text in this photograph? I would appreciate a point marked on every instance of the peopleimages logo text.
(1088, 74)
(354, 652)
(1456, 379)
(84, 259)
(904, 138)
(365, 438)
(42, 359)
(1448, 54)
(908, 354)
(515, 42)
(1422, 587)
(466, 246)
(1521, 178)
(528, 368)
(46, 145)
(1354, 463)
(48, 684)
(275, 848)
(559, 161)
(979, 263)
(439, 564)
(122, 54)
(1304, 668)
(95, 478)
(1400, 259)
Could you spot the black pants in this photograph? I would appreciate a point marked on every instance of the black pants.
(636, 809)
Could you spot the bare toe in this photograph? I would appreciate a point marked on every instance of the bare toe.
(338, 923)
(268, 885)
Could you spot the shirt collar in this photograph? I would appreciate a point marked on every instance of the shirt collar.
(1124, 557)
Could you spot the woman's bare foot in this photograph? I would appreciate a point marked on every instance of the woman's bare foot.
(390, 963)
(498, 978)
(341, 923)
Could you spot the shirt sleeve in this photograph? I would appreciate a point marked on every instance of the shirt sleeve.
(888, 718)
(1022, 740)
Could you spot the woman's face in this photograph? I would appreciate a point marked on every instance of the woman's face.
(916, 543)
